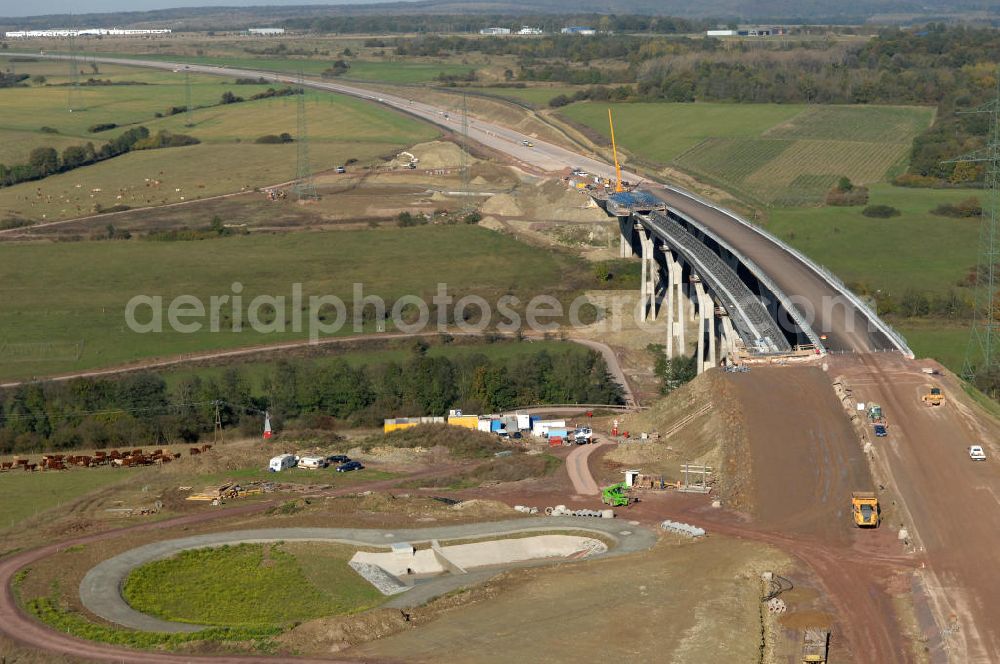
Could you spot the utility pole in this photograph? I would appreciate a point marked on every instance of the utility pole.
(188, 109)
(464, 156)
(73, 91)
(982, 354)
(217, 436)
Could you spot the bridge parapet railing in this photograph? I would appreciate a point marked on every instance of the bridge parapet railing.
(825, 273)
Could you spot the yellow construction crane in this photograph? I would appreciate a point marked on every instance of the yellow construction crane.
(614, 149)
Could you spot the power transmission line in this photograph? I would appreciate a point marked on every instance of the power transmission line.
(983, 351)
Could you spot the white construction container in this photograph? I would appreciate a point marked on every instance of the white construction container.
(484, 424)
(313, 462)
(541, 427)
(523, 421)
(282, 462)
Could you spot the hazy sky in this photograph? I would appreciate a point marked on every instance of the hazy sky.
(41, 7)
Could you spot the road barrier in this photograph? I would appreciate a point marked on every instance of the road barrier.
(682, 528)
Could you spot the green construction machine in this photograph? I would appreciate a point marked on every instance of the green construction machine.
(615, 495)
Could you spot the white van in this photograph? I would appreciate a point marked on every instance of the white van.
(313, 462)
(282, 462)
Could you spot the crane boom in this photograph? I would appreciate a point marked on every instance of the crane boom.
(614, 150)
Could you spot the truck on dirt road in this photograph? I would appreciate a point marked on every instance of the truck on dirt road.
(864, 505)
(815, 645)
(934, 397)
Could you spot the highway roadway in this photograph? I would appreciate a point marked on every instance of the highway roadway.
(832, 310)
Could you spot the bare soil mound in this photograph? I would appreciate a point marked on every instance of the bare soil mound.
(435, 154)
(701, 422)
(548, 201)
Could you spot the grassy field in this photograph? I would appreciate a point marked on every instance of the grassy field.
(777, 154)
(915, 250)
(662, 132)
(23, 495)
(250, 585)
(227, 160)
(411, 70)
(943, 341)
(536, 96)
(73, 295)
(259, 367)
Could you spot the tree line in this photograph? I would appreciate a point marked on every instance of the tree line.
(140, 408)
(45, 161)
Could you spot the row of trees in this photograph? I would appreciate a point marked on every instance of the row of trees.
(141, 409)
(45, 161)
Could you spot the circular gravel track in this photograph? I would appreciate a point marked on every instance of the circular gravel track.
(101, 588)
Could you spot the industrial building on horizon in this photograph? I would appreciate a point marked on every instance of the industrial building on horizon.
(85, 32)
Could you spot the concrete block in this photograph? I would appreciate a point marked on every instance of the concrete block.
(607, 514)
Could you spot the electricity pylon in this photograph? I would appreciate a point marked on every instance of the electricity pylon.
(983, 352)
(304, 187)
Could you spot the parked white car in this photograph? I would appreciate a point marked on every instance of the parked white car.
(976, 453)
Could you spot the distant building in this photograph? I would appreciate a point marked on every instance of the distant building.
(495, 31)
(85, 32)
(265, 32)
(747, 32)
(526, 30)
(578, 30)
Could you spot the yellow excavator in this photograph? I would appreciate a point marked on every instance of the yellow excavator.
(864, 505)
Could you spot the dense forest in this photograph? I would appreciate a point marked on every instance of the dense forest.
(140, 408)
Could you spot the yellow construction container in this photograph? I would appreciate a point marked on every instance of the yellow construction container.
(398, 423)
(466, 421)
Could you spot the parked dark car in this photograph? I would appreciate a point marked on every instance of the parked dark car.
(516, 435)
(881, 431)
(338, 458)
(349, 466)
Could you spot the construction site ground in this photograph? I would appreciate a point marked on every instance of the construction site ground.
(784, 479)
(949, 500)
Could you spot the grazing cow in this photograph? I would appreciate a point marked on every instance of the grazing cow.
(193, 451)
(205, 448)
(6, 465)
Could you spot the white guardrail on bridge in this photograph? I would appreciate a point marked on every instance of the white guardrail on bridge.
(824, 273)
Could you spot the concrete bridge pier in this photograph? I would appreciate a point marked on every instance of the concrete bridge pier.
(706, 328)
(650, 278)
(675, 315)
(728, 338)
(698, 302)
(626, 230)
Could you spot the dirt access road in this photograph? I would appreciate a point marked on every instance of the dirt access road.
(802, 463)
(953, 502)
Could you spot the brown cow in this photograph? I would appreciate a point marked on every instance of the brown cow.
(205, 448)
(193, 451)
